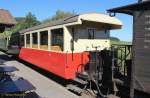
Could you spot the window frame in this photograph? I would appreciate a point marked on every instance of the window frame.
(40, 38)
(28, 44)
(91, 35)
(33, 39)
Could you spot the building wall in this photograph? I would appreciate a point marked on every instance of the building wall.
(141, 50)
(81, 41)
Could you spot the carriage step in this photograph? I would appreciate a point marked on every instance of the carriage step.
(74, 89)
(83, 76)
(81, 81)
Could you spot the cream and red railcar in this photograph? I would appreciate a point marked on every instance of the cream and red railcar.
(61, 47)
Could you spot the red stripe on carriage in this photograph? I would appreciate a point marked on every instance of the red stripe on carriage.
(62, 64)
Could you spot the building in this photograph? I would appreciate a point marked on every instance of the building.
(140, 77)
(6, 20)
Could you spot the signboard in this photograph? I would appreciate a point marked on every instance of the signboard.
(142, 50)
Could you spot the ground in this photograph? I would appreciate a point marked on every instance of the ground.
(45, 86)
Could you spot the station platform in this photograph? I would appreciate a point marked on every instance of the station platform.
(45, 87)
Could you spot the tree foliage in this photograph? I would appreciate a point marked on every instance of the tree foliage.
(19, 19)
(59, 15)
(114, 39)
(30, 20)
(25, 22)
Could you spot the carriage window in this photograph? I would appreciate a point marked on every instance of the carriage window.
(57, 40)
(44, 40)
(28, 40)
(34, 40)
(22, 40)
(91, 33)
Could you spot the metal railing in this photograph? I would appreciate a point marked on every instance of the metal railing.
(122, 55)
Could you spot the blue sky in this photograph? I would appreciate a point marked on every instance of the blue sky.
(43, 9)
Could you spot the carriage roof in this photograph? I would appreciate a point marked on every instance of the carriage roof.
(78, 19)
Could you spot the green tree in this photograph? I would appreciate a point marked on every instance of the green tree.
(59, 15)
(19, 19)
(114, 39)
(30, 20)
(25, 22)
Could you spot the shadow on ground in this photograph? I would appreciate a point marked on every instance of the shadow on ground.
(47, 74)
(4, 58)
(32, 95)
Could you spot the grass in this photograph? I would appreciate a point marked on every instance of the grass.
(121, 56)
(120, 42)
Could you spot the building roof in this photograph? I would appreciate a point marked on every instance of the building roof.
(6, 18)
(129, 9)
(78, 19)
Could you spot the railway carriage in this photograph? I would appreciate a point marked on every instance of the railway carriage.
(62, 47)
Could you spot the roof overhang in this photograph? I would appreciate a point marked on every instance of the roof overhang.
(129, 9)
(112, 22)
(4, 26)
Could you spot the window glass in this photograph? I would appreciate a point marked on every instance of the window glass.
(91, 33)
(44, 40)
(27, 40)
(22, 40)
(34, 40)
(57, 40)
